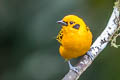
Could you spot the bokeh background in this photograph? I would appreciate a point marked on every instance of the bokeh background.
(28, 49)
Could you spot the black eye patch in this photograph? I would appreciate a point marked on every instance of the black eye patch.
(76, 26)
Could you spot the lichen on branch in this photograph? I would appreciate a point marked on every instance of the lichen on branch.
(117, 31)
(110, 33)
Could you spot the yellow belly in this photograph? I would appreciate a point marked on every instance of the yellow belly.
(75, 45)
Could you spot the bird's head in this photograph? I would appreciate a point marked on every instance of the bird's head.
(72, 22)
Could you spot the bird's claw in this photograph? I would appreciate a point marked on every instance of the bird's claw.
(75, 69)
(91, 56)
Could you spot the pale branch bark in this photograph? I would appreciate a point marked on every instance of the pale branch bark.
(96, 47)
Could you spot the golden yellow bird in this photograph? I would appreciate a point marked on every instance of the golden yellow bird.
(75, 38)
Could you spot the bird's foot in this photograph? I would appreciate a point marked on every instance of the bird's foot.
(75, 69)
(90, 55)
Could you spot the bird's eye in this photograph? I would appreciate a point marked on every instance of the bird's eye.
(71, 22)
(76, 26)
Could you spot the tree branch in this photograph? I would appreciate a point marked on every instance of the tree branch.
(100, 43)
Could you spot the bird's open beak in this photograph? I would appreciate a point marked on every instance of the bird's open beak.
(62, 23)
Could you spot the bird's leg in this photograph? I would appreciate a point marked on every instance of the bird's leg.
(72, 67)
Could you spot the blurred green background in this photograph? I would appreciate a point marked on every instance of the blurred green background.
(28, 49)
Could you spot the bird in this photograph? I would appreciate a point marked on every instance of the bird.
(75, 38)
